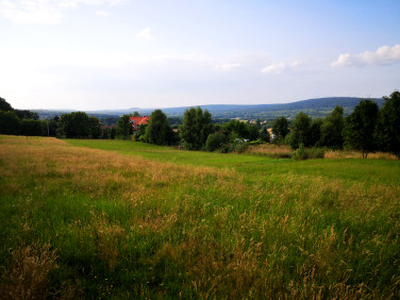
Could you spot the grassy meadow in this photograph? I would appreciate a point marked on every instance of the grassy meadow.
(113, 219)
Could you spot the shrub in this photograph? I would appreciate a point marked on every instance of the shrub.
(215, 141)
(303, 153)
(256, 142)
(241, 147)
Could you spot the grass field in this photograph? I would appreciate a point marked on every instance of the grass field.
(116, 219)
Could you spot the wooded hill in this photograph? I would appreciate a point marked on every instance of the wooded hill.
(319, 107)
(313, 107)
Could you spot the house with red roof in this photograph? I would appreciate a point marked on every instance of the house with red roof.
(137, 121)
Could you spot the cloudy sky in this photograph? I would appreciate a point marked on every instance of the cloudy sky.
(109, 54)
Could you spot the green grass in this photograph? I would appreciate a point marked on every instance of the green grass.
(368, 171)
(117, 219)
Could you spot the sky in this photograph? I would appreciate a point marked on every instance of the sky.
(118, 54)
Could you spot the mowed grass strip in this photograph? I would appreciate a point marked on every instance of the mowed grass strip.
(89, 223)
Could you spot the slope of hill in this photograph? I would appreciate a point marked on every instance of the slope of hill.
(314, 107)
(319, 107)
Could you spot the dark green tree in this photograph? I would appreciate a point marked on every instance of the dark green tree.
(4, 105)
(264, 134)
(359, 132)
(253, 132)
(31, 127)
(158, 130)
(195, 129)
(242, 130)
(109, 132)
(140, 135)
(113, 132)
(26, 114)
(388, 127)
(332, 129)
(124, 126)
(75, 125)
(280, 128)
(52, 126)
(9, 123)
(95, 130)
(216, 141)
(237, 128)
(315, 132)
(258, 124)
(301, 131)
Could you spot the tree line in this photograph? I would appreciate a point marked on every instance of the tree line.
(15, 121)
(198, 132)
(367, 129)
(24, 122)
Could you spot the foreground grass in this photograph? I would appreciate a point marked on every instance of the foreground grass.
(116, 219)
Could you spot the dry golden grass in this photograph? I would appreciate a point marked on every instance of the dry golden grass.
(277, 151)
(354, 154)
(27, 276)
(99, 173)
(271, 150)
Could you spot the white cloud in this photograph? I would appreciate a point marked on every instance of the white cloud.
(101, 13)
(75, 3)
(146, 33)
(280, 67)
(44, 11)
(243, 60)
(384, 55)
(30, 12)
(228, 67)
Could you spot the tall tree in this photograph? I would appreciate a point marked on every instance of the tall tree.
(95, 130)
(237, 128)
(332, 129)
(124, 127)
(388, 127)
(280, 128)
(360, 127)
(301, 131)
(158, 130)
(196, 127)
(315, 132)
(75, 125)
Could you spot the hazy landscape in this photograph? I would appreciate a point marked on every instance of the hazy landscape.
(199, 149)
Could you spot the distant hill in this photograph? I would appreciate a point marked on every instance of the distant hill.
(314, 107)
(319, 107)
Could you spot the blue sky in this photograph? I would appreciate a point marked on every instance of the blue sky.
(109, 54)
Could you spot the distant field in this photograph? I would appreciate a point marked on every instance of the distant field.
(117, 219)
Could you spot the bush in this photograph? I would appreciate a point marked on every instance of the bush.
(303, 153)
(215, 141)
(241, 147)
(256, 142)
